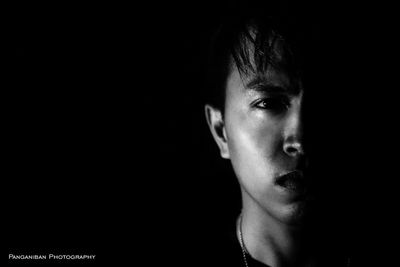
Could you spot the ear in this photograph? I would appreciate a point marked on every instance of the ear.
(217, 127)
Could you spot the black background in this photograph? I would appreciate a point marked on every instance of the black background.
(107, 150)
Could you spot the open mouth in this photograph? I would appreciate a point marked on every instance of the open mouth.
(293, 181)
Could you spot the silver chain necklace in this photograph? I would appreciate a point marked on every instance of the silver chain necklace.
(242, 245)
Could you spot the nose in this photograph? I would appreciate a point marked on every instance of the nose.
(293, 148)
(293, 134)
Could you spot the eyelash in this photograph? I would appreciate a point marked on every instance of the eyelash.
(275, 104)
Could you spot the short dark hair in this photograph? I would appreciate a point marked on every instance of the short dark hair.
(249, 40)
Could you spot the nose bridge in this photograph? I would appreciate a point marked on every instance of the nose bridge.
(293, 133)
(294, 125)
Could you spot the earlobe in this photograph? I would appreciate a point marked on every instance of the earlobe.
(216, 124)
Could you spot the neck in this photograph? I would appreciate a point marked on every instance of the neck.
(271, 241)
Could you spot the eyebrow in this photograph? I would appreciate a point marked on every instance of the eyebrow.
(261, 84)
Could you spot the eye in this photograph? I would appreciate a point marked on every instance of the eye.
(276, 104)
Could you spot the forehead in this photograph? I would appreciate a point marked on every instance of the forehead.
(272, 80)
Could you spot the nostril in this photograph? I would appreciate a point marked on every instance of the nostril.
(293, 149)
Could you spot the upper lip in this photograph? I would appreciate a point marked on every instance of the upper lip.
(295, 175)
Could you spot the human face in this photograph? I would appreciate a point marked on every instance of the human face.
(264, 133)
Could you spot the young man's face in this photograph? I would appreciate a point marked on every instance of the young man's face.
(262, 136)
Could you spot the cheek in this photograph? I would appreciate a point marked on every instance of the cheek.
(254, 136)
(254, 145)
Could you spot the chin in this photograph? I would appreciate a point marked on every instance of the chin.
(295, 213)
